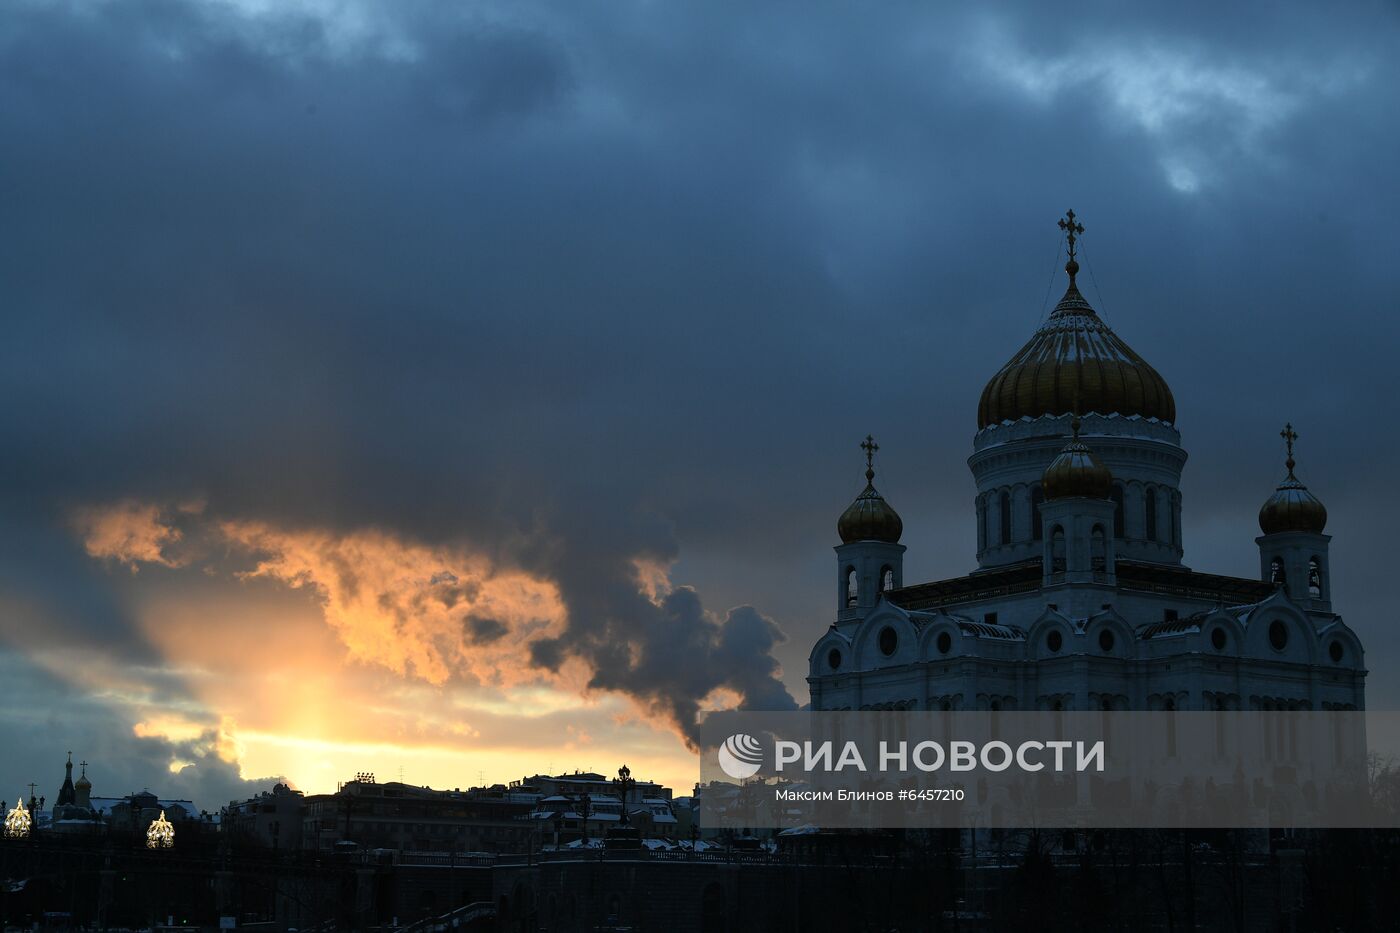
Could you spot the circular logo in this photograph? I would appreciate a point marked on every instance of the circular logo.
(741, 756)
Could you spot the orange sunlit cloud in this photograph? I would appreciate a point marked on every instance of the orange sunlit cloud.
(418, 611)
(129, 532)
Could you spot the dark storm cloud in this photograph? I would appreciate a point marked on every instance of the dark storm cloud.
(669, 653)
(581, 285)
(485, 629)
(57, 720)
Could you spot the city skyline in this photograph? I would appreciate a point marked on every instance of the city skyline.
(503, 436)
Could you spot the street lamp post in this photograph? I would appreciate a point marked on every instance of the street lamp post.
(624, 783)
(585, 809)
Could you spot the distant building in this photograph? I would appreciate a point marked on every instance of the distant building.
(562, 818)
(273, 818)
(365, 814)
(588, 782)
(502, 819)
(73, 810)
(587, 804)
(135, 812)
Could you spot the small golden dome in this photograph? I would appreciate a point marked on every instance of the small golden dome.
(1075, 354)
(1292, 507)
(869, 517)
(1076, 472)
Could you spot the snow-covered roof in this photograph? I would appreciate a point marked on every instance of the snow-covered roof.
(1193, 622)
(105, 804)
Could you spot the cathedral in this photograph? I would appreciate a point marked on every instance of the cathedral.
(1080, 600)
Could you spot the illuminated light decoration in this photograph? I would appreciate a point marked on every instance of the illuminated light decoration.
(18, 821)
(160, 834)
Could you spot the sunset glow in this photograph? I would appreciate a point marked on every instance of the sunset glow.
(312, 655)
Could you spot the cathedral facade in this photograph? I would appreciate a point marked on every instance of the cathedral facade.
(1080, 600)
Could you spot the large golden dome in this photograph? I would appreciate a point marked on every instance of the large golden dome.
(1075, 361)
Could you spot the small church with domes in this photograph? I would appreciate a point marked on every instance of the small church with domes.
(1080, 600)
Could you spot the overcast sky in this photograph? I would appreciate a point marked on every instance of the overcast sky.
(472, 389)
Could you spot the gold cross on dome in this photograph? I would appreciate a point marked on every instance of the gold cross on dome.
(1289, 436)
(1072, 230)
(869, 446)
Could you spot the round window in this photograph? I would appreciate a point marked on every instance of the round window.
(1217, 639)
(833, 658)
(1054, 641)
(888, 641)
(1106, 641)
(1334, 651)
(1278, 635)
(945, 642)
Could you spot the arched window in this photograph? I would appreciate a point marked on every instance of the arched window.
(1057, 550)
(1150, 513)
(1314, 578)
(1276, 571)
(1117, 496)
(852, 588)
(1005, 518)
(1037, 497)
(1176, 519)
(982, 536)
(886, 579)
(1098, 550)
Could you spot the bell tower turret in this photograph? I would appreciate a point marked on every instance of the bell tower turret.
(66, 793)
(870, 559)
(1293, 549)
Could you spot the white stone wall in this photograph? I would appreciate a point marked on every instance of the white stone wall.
(1086, 669)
